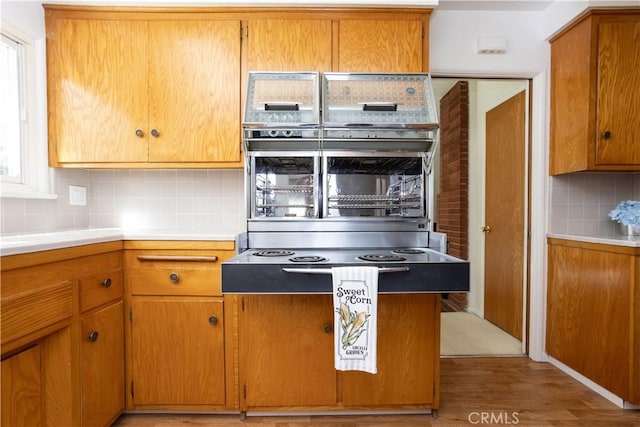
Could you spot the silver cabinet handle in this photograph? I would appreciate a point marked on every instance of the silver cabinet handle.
(328, 270)
(194, 258)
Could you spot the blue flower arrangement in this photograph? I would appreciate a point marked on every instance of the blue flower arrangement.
(627, 213)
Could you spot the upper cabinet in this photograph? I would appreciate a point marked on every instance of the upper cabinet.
(162, 87)
(289, 45)
(595, 94)
(134, 89)
(381, 46)
(362, 41)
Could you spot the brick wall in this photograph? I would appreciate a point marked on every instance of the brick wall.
(452, 202)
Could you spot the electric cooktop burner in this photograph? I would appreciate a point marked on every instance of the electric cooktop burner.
(307, 258)
(381, 258)
(408, 251)
(273, 253)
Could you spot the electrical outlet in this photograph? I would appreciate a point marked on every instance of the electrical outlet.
(77, 195)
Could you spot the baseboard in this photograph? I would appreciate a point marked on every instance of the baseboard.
(618, 401)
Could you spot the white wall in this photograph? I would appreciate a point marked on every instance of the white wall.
(453, 36)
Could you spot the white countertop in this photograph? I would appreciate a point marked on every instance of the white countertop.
(614, 239)
(34, 242)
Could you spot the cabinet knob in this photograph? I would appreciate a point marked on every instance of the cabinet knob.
(213, 320)
(485, 229)
(107, 282)
(174, 277)
(93, 336)
(155, 133)
(139, 133)
(606, 134)
(328, 328)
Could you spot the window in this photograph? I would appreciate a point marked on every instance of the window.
(11, 110)
(24, 172)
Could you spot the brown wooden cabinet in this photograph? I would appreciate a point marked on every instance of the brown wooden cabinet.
(159, 88)
(349, 41)
(389, 45)
(408, 355)
(102, 365)
(102, 343)
(286, 351)
(79, 375)
(22, 389)
(593, 313)
(282, 44)
(595, 94)
(287, 359)
(180, 349)
(129, 89)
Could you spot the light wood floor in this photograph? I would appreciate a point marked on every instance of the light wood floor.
(513, 390)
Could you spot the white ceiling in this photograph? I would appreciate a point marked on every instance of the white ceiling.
(516, 5)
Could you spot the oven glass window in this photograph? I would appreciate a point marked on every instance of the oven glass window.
(375, 187)
(284, 187)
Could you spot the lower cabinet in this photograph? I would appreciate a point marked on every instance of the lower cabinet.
(286, 355)
(593, 313)
(63, 337)
(22, 389)
(177, 348)
(286, 351)
(180, 345)
(102, 365)
(408, 355)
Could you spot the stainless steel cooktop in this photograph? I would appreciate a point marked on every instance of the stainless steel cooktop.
(336, 257)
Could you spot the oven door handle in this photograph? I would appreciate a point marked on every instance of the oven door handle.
(328, 270)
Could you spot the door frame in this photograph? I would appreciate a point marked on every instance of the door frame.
(538, 187)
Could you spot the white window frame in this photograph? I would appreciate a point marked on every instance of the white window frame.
(36, 174)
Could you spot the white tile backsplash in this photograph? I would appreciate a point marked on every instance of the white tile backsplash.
(580, 202)
(185, 200)
(171, 200)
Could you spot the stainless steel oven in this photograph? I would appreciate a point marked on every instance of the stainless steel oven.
(338, 170)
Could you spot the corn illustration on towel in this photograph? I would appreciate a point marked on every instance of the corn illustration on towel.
(355, 298)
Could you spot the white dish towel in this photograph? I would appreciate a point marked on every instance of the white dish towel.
(355, 301)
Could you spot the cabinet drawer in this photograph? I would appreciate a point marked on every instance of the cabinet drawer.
(174, 280)
(27, 312)
(175, 272)
(100, 288)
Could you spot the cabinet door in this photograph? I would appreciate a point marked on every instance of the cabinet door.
(97, 90)
(21, 389)
(286, 355)
(571, 119)
(618, 104)
(194, 91)
(102, 360)
(589, 313)
(289, 45)
(380, 46)
(177, 351)
(408, 351)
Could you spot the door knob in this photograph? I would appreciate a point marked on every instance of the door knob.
(485, 229)
(93, 336)
(213, 320)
